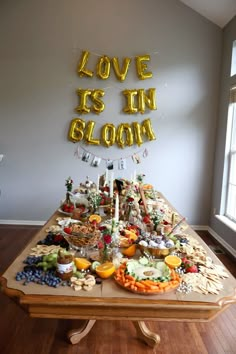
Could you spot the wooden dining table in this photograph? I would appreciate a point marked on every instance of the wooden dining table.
(108, 301)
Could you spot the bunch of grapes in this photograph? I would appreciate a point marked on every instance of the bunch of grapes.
(57, 240)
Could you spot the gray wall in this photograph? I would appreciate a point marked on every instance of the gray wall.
(220, 228)
(41, 42)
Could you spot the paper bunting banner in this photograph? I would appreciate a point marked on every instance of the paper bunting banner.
(86, 156)
(96, 161)
(122, 164)
(136, 158)
(110, 165)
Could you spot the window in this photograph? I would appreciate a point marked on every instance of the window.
(233, 60)
(230, 205)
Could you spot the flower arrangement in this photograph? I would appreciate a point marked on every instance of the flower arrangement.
(95, 200)
(156, 217)
(69, 184)
(140, 177)
(107, 240)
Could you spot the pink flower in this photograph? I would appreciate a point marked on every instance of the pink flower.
(107, 239)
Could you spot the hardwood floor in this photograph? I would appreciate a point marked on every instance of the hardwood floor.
(23, 335)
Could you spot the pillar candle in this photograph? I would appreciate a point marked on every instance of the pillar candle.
(98, 183)
(117, 208)
(111, 185)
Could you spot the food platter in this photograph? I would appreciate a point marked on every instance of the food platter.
(146, 293)
(146, 277)
(64, 212)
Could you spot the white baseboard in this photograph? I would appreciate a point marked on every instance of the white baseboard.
(200, 227)
(222, 242)
(22, 222)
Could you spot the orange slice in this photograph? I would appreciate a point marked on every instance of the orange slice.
(95, 217)
(173, 261)
(105, 270)
(82, 263)
(129, 251)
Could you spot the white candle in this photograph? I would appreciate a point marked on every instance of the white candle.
(106, 177)
(117, 208)
(111, 185)
(98, 183)
(135, 175)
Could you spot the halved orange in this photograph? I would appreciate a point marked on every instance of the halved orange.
(105, 270)
(173, 261)
(129, 251)
(82, 263)
(95, 217)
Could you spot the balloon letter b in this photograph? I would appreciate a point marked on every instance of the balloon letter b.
(76, 133)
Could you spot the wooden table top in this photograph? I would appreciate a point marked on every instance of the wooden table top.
(108, 300)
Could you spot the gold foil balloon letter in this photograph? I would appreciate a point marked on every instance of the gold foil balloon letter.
(108, 134)
(146, 99)
(121, 73)
(103, 67)
(130, 96)
(82, 71)
(89, 134)
(76, 131)
(99, 105)
(124, 128)
(142, 67)
(83, 94)
(147, 129)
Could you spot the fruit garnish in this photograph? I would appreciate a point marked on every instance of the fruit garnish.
(129, 251)
(191, 268)
(82, 263)
(105, 270)
(94, 265)
(173, 261)
(95, 218)
(68, 230)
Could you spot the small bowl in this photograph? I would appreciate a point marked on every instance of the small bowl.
(156, 252)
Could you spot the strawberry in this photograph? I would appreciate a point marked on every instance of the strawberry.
(192, 269)
(185, 260)
(67, 230)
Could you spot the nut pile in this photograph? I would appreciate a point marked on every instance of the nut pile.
(87, 283)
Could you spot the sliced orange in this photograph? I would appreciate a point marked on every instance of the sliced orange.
(105, 270)
(129, 251)
(173, 261)
(82, 263)
(95, 217)
(131, 235)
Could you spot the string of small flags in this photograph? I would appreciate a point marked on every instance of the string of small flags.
(94, 160)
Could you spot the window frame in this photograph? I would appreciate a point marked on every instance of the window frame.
(230, 150)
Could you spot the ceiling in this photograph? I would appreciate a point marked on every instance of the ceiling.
(219, 12)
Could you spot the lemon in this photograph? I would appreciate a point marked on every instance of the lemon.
(82, 263)
(173, 261)
(105, 270)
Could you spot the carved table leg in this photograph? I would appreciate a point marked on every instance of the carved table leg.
(75, 335)
(150, 338)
